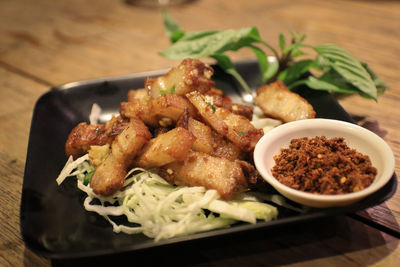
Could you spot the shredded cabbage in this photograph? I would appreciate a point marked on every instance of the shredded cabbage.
(81, 165)
(159, 210)
(260, 122)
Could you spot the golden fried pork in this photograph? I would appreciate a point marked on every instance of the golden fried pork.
(277, 101)
(110, 175)
(218, 99)
(236, 128)
(201, 169)
(209, 141)
(168, 147)
(198, 137)
(84, 135)
(138, 96)
(163, 111)
(223, 148)
(189, 75)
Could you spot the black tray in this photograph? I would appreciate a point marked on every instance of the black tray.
(53, 220)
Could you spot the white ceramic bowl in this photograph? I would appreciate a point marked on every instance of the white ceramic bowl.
(361, 139)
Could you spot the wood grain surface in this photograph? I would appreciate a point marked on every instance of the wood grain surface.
(48, 43)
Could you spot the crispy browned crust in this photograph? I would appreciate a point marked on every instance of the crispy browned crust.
(116, 125)
(110, 175)
(224, 148)
(189, 75)
(236, 128)
(163, 111)
(138, 96)
(209, 141)
(130, 141)
(171, 106)
(83, 136)
(168, 147)
(139, 111)
(277, 101)
(201, 169)
(210, 136)
(220, 100)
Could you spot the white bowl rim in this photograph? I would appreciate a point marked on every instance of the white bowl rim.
(290, 126)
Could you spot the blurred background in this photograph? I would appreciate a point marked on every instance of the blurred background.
(62, 41)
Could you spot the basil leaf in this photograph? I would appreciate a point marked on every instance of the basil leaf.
(282, 41)
(302, 38)
(296, 70)
(331, 81)
(209, 43)
(296, 43)
(322, 63)
(297, 53)
(87, 177)
(172, 29)
(378, 82)
(348, 67)
(341, 72)
(291, 48)
(267, 69)
(226, 64)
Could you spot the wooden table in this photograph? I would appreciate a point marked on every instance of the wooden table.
(49, 43)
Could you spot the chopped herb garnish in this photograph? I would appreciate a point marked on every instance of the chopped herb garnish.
(212, 106)
(87, 178)
(170, 91)
(240, 133)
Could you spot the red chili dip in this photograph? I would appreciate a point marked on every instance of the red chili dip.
(323, 166)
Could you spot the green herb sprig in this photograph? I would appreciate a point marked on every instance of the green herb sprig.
(170, 91)
(333, 68)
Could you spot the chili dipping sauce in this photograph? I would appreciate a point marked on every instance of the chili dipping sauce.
(323, 166)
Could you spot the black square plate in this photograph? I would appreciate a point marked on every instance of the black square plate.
(53, 220)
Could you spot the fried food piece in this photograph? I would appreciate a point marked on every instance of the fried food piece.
(209, 141)
(166, 148)
(202, 132)
(84, 135)
(130, 141)
(171, 106)
(138, 110)
(163, 111)
(216, 98)
(234, 127)
(97, 154)
(224, 148)
(277, 101)
(189, 75)
(110, 175)
(115, 126)
(253, 177)
(204, 136)
(201, 169)
(138, 96)
(243, 110)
